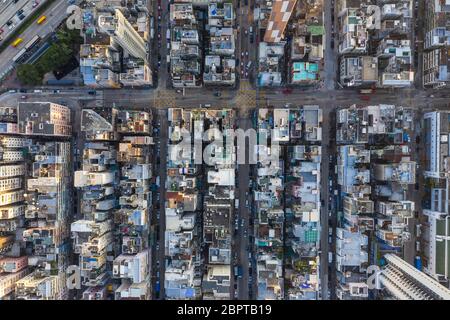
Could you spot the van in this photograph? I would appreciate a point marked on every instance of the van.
(249, 64)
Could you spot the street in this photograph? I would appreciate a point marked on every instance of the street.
(56, 13)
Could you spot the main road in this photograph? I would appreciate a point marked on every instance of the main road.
(55, 14)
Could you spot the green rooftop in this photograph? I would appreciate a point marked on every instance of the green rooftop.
(316, 30)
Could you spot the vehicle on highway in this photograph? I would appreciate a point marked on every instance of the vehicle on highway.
(217, 94)
(19, 56)
(17, 42)
(1, 31)
(41, 19)
(246, 53)
(32, 42)
(24, 97)
(35, 3)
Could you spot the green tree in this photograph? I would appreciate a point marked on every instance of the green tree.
(28, 74)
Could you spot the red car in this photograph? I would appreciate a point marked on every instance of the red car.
(1, 30)
(365, 98)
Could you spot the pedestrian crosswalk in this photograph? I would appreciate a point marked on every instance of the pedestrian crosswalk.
(246, 96)
(164, 99)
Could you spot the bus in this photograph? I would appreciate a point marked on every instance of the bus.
(18, 57)
(32, 42)
(17, 42)
(41, 19)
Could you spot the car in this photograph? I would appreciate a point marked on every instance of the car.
(246, 32)
(36, 3)
(246, 74)
(242, 54)
(217, 94)
(157, 247)
(246, 53)
(24, 97)
(19, 12)
(1, 30)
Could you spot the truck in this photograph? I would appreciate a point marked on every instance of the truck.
(418, 263)
(238, 271)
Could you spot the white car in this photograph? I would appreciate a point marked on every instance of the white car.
(246, 53)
